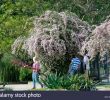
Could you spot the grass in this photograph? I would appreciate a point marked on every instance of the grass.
(103, 87)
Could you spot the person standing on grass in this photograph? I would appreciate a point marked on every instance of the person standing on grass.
(35, 72)
(74, 66)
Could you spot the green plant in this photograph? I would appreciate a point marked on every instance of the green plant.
(65, 82)
(25, 74)
(79, 82)
(8, 72)
(75, 83)
(52, 81)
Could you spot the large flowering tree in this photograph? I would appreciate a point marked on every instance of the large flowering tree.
(56, 37)
(99, 41)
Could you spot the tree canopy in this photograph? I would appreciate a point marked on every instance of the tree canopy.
(16, 16)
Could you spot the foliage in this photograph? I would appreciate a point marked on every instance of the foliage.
(16, 19)
(8, 72)
(99, 40)
(16, 16)
(52, 81)
(25, 74)
(55, 37)
(81, 83)
(76, 83)
(20, 59)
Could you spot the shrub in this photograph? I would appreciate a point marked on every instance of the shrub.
(8, 72)
(52, 81)
(25, 74)
(75, 83)
(79, 82)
